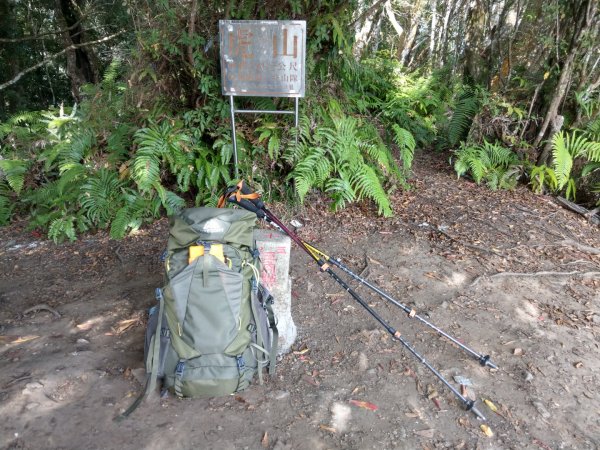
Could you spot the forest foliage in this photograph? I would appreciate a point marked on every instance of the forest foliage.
(111, 114)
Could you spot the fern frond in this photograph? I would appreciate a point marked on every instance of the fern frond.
(465, 109)
(562, 159)
(406, 144)
(73, 175)
(62, 228)
(121, 223)
(367, 184)
(170, 201)
(6, 209)
(14, 171)
(146, 169)
(101, 197)
(341, 192)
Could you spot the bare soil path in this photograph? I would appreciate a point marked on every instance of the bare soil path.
(508, 273)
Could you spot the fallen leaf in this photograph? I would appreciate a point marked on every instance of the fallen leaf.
(518, 352)
(365, 405)
(326, 428)
(375, 261)
(302, 352)
(240, 399)
(125, 325)
(428, 433)
(17, 339)
(436, 402)
(464, 421)
(486, 430)
(88, 324)
(490, 405)
(432, 394)
(265, 440)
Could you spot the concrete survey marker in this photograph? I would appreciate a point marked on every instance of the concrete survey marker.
(274, 248)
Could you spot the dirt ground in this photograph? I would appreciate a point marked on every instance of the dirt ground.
(510, 274)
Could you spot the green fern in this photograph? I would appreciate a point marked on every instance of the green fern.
(566, 147)
(345, 158)
(6, 209)
(136, 210)
(496, 165)
(171, 201)
(366, 184)
(541, 177)
(466, 107)
(101, 197)
(14, 171)
(61, 228)
(406, 144)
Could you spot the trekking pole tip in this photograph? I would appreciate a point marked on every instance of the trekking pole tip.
(470, 404)
(478, 414)
(485, 361)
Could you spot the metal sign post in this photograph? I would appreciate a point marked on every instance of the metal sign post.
(262, 58)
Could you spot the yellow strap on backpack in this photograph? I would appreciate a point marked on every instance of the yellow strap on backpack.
(198, 250)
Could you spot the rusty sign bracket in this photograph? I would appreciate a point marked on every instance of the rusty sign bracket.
(234, 111)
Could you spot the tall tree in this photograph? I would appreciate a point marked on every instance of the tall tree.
(583, 14)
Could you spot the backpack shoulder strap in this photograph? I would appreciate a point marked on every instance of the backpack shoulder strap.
(152, 361)
(267, 300)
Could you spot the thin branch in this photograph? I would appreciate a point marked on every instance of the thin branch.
(40, 36)
(392, 17)
(367, 12)
(54, 56)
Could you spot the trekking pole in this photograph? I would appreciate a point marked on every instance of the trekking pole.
(258, 207)
(251, 200)
(484, 360)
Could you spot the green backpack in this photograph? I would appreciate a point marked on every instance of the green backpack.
(213, 328)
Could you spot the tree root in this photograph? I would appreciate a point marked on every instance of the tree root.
(42, 307)
(536, 274)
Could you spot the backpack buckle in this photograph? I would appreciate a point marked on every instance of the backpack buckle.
(241, 364)
(179, 369)
(163, 256)
(206, 246)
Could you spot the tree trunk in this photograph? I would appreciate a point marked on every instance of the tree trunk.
(432, 42)
(412, 33)
(444, 31)
(81, 62)
(363, 30)
(583, 19)
(477, 68)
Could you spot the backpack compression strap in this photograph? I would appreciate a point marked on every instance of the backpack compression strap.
(152, 363)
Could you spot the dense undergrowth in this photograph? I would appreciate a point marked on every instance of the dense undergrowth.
(154, 136)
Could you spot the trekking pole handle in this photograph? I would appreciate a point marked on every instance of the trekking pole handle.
(248, 205)
(246, 190)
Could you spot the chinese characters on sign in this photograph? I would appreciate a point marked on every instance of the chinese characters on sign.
(262, 58)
